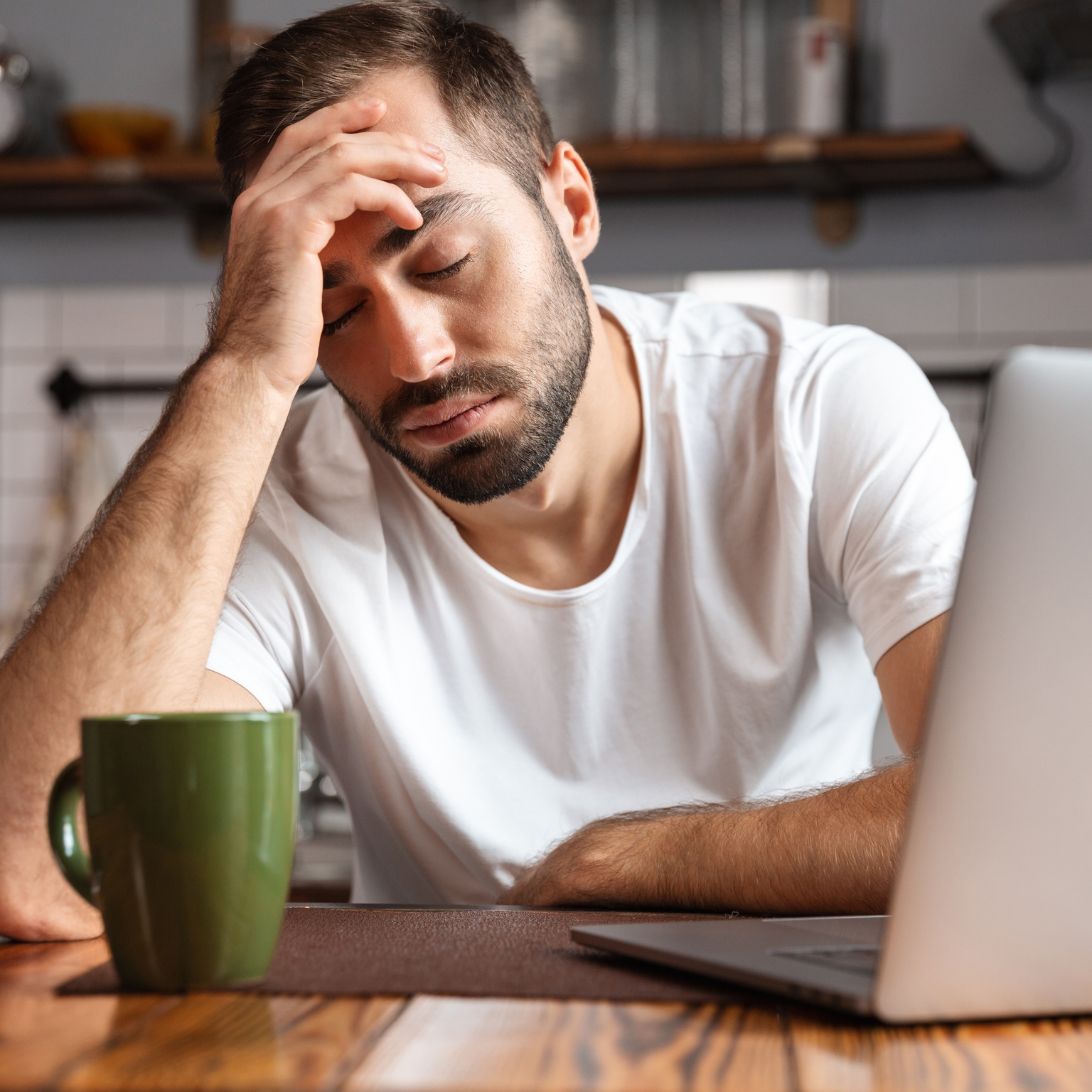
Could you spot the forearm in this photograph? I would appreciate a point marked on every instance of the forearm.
(828, 852)
(129, 622)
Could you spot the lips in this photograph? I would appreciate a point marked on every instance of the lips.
(442, 412)
(455, 419)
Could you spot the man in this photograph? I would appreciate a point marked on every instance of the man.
(579, 594)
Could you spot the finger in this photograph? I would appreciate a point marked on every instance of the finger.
(351, 115)
(379, 154)
(318, 215)
(373, 195)
(406, 163)
(304, 155)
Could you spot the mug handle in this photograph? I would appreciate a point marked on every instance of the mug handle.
(64, 835)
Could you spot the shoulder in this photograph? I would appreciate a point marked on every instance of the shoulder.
(685, 325)
(848, 381)
(794, 365)
(816, 354)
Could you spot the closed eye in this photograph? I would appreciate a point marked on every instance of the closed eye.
(332, 327)
(448, 271)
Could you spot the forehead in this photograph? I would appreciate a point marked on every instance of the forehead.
(413, 103)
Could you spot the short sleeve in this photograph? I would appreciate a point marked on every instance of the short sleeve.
(241, 651)
(266, 638)
(891, 485)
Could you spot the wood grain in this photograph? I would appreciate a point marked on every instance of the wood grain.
(332, 1040)
(164, 1041)
(448, 1044)
(41, 1035)
(233, 1041)
(669, 155)
(476, 1045)
(1046, 1054)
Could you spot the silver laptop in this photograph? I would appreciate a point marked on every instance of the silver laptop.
(991, 915)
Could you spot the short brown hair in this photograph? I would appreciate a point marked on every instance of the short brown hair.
(318, 61)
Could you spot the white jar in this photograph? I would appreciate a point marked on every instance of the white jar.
(818, 69)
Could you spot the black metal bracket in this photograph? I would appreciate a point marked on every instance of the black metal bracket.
(68, 389)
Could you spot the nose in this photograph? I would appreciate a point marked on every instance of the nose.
(414, 333)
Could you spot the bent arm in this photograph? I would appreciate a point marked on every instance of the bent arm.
(129, 623)
(832, 851)
(829, 852)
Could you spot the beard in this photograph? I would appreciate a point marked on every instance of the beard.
(492, 462)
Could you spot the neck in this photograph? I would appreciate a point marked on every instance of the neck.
(563, 528)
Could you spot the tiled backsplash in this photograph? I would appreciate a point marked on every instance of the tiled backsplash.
(118, 333)
(951, 318)
(948, 319)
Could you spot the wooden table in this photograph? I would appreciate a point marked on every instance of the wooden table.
(423, 1043)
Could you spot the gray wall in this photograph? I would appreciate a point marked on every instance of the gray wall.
(941, 68)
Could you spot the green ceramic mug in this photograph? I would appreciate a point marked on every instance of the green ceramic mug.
(191, 820)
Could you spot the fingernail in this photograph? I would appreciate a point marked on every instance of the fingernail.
(432, 150)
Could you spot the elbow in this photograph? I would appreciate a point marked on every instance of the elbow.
(29, 915)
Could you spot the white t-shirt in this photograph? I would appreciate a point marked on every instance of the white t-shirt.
(801, 505)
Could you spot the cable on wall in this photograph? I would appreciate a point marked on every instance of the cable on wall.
(1062, 131)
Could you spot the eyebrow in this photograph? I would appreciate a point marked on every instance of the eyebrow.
(436, 210)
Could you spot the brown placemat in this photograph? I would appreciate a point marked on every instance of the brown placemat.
(469, 952)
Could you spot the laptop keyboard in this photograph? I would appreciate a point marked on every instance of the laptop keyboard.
(855, 958)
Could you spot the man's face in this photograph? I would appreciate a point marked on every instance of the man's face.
(461, 347)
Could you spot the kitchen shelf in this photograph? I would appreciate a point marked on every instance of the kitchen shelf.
(846, 165)
(81, 185)
(823, 167)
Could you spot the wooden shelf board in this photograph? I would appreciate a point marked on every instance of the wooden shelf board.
(76, 184)
(839, 165)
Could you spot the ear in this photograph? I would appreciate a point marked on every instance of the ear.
(570, 196)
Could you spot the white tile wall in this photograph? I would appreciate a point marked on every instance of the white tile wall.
(902, 304)
(969, 316)
(23, 398)
(25, 320)
(29, 455)
(801, 293)
(124, 333)
(1036, 302)
(946, 318)
(21, 512)
(101, 318)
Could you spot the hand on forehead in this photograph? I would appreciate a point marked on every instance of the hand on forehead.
(413, 108)
(379, 167)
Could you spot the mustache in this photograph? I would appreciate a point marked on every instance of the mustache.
(468, 379)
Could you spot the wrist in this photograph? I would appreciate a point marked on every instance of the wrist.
(242, 378)
(218, 431)
(631, 862)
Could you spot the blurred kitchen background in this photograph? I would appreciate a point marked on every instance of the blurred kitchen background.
(921, 167)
